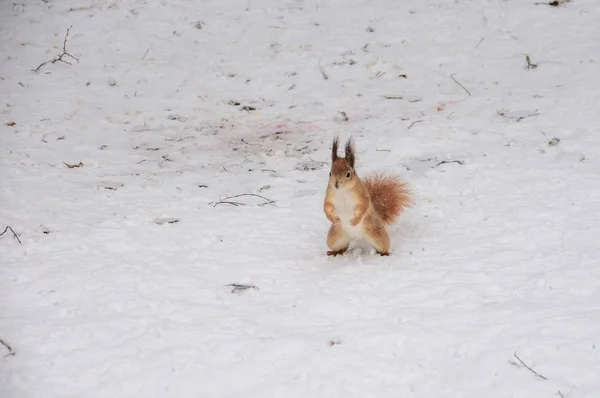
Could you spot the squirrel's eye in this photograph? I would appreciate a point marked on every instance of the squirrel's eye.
(330, 174)
(348, 175)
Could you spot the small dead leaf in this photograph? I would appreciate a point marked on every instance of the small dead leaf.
(21, 84)
(72, 166)
(11, 124)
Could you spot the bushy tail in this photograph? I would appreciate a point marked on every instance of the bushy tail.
(389, 194)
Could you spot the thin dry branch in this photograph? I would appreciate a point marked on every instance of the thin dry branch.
(13, 231)
(11, 352)
(325, 77)
(59, 58)
(227, 200)
(461, 162)
(413, 123)
(528, 367)
(529, 64)
(236, 287)
(554, 3)
(457, 82)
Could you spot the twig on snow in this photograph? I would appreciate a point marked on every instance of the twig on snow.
(461, 162)
(226, 200)
(457, 82)
(323, 71)
(480, 41)
(529, 64)
(413, 123)
(528, 367)
(59, 58)
(13, 231)
(247, 143)
(11, 352)
(554, 3)
(146, 53)
(236, 287)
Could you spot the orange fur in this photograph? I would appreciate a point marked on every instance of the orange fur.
(389, 195)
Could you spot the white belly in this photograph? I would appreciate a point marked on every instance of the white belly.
(344, 207)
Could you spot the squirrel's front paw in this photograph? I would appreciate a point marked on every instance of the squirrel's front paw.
(354, 221)
(334, 219)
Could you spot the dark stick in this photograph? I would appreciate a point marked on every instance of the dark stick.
(8, 347)
(227, 200)
(224, 202)
(413, 123)
(59, 58)
(463, 87)
(236, 287)
(13, 231)
(323, 71)
(461, 162)
(248, 194)
(480, 41)
(532, 371)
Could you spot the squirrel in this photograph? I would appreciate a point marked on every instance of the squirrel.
(359, 208)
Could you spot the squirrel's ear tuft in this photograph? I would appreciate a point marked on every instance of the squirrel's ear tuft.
(334, 148)
(350, 152)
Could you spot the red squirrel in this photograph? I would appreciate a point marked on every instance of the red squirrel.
(359, 208)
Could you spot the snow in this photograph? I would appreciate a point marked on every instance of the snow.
(119, 286)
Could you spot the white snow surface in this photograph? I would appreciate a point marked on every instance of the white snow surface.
(499, 256)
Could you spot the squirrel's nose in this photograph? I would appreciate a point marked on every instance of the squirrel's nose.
(337, 184)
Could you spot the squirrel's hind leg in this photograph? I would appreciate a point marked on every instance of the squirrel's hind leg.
(337, 240)
(376, 235)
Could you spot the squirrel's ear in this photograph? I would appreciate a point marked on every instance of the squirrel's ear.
(350, 152)
(334, 148)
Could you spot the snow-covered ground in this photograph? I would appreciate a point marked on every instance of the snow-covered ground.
(176, 104)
